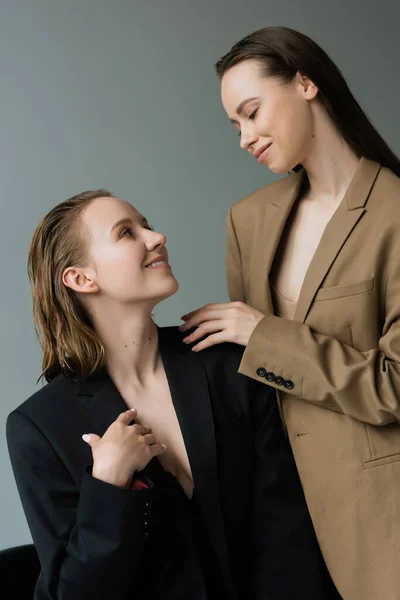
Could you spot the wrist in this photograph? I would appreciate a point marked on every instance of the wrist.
(117, 479)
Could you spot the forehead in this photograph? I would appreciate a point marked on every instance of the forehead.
(241, 79)
(102, 213)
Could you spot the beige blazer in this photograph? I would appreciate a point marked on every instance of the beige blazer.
(336, 366)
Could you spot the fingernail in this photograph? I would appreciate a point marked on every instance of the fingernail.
(164, 446)
(186, 340)
(133, 409)
(86, 437)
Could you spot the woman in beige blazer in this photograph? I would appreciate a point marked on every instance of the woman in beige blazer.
(313, 269)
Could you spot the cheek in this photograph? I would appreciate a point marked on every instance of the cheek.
(117, 265)
(295, 129)
(290, 133)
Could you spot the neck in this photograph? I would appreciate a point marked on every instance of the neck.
(330, 162)
(130, 339)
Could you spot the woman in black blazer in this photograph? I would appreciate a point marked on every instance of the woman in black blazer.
(185, 487)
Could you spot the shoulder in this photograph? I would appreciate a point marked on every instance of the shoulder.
(389, 179)
(387, 189)
(383, 208)
(225, 356)
(47, 402)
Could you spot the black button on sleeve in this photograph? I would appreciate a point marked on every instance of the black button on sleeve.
(270, 376)
(289, 385)
(261, 372)
(279, 380)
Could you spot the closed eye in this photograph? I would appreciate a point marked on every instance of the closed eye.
(251, 117)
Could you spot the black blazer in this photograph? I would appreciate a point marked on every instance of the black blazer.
(94, 539)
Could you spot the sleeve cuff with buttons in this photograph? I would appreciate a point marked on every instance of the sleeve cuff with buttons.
(268, 357)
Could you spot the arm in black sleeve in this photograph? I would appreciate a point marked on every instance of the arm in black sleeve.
(90, 540)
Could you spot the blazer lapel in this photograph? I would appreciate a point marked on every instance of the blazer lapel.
(336, 232)
(189, 390)
(101, 402)
(269, 230)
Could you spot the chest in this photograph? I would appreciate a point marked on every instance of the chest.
(300, 239)
(155, 409)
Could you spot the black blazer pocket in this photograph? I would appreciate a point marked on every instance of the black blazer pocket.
(342, 291)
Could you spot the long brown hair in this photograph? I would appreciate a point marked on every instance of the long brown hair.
(282, 52)
(68, 341)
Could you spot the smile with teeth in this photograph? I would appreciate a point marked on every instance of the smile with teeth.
(159, 263)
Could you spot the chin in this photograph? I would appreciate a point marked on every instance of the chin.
(175, 287)
(169, 289)
(282, 168)
(278, 169)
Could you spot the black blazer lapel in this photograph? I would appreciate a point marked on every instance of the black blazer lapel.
(190, 394)
(101, 402)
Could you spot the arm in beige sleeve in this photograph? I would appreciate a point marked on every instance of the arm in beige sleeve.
(234, 272)
(324, 371)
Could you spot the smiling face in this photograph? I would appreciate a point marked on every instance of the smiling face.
(275, 119)
(127, 262)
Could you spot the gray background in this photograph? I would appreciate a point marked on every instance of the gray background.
(122, 94)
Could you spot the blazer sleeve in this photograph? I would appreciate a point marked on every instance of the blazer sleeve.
(90, 540)
(234, 271)
(286, 559)
(324, 371)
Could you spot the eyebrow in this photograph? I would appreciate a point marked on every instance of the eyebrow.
(242, 105)
(128, 221)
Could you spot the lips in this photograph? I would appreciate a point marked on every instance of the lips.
(261, 152)
(160, 258)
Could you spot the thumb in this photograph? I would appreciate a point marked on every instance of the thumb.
(90, 438)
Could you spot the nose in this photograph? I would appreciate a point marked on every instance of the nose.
(155, 239)
(247, 138)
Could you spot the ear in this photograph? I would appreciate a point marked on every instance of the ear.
(307, 87)
(80, 280)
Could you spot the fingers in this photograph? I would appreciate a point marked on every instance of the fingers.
(215, 306)
(141, 429)
(127, 416)
(211, 340)
(210, 312)
(205, 329)
(150, 439)
(157, 449)
(190, 314)
(90, 438)
(200, 316)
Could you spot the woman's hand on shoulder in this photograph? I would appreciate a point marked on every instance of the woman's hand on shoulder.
(124, 449)
(225, 322)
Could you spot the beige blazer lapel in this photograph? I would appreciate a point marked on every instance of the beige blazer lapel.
(268, 233)
(336, 232)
